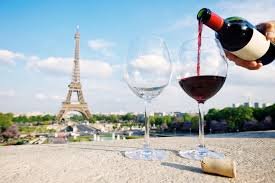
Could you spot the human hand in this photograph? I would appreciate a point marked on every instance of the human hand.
(268, 29)
(251, 65)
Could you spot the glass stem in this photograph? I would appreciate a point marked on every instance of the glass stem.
(201, 126)
(147, 126)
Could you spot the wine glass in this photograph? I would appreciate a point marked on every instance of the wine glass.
(201, 73)
(147, 73)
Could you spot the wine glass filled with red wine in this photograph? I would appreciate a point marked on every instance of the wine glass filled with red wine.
(201, 72)
(147, 73)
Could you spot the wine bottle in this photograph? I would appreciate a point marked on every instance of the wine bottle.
(239, 37)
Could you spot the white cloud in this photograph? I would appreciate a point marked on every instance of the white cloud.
(100, 44)
(7, 93)
(151, 70)
(64, 66)
(56, 65)
(186, 22)
(151, 63)
(96, 68)
(262, 78)
(253, 10)
(9, 58)
(212, 59)
(43, 96)
(57, 97)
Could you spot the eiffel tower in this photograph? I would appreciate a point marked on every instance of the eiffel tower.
(75, 87)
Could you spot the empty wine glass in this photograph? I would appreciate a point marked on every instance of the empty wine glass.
(201, 73)
(148, 72)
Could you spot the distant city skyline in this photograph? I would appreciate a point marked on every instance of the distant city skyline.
(37, 47)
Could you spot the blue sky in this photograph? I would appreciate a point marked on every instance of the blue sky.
(36, 50)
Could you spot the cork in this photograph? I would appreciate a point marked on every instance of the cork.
(223, 167)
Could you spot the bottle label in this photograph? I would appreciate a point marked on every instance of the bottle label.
(255, 48)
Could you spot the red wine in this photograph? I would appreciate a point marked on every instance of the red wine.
(239, 37)
(203, 87)
(200, 25)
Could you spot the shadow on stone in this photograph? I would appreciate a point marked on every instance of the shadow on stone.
(183, 167)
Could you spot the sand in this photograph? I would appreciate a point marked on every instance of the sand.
(99, 162)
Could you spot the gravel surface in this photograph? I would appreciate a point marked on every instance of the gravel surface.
(99, 162)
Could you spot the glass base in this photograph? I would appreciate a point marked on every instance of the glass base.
(146, 154)
(200, 153)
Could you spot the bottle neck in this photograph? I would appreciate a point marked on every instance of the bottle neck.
(211, 19)
(215, 22)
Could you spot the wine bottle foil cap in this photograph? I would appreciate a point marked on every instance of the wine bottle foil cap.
(204, 15)
(215, 22)
(210, 19)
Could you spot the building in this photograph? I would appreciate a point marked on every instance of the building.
(247, 104)
(235, 105)
(159, 114)
(178, 114)
(266, 105)
(256, 105)
(140, 118)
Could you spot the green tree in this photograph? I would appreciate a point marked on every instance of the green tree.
(235, 117)
(77, 118)
(259, 114)
(113, 118)
(213, 114)
(128, 117)
(167, 120)
(195, 123)
(152, 120)
(47, 117)
(20, 119)
(92, 119)
(158, 120)
(186, 117)
(5, 121)
(270, 111)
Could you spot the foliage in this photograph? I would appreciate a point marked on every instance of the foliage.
(80, 139)
(77, 118)
(259, 114)
(33, 119)
(195, 123)
(37, 129)
(213, 114)
(114, 118)
(168, 120)
(128, 117)
(5, 121)
(187, 117)
(134, 137)
(235, 117)
(92, 119)
(158, 120)
(18, 141)
(152, 120)
(270, 111)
